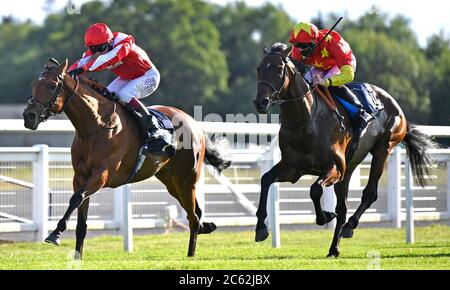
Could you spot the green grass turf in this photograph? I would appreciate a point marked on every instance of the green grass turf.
(369, 248)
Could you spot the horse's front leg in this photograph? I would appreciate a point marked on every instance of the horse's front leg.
(75, 201)
(81, 228)
(94, 183)
(316, 191)
(78, 182)
(281, 172)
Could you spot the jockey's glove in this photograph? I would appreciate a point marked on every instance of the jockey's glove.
(76, 72)
(322, 82)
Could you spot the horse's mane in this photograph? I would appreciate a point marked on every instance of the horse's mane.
(94, 86)
(92, 83)
(279, 47)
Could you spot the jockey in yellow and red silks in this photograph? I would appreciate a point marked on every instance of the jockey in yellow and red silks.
(333, 62)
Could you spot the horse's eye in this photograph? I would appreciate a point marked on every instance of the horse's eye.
(52, 87)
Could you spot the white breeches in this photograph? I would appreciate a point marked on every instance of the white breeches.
(140, 87)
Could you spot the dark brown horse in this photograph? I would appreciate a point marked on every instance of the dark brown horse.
(106, 146)
(311, 142)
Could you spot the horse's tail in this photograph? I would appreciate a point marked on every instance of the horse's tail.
(216, 153)
(417, 144)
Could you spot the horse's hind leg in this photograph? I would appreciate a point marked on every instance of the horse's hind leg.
(189, 205)
(341, 190)
(205, 228)
(184, 192)
(370, 192)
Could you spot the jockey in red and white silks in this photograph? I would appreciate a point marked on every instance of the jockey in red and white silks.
(137, 75)
(117, 52)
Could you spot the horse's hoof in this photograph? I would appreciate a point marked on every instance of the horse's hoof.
(261, 234)
(53, 239)
(207, 228)
(346, 232)
(333, 254)
(77, 256)
(191, 255)
(329, 216)
(325, 218)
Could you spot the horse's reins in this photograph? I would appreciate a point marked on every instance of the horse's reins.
(107, 125)
(326, 97)
(276, 92)
(47, 111)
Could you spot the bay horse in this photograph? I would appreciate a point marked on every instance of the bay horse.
(105, 149)
(312, 142)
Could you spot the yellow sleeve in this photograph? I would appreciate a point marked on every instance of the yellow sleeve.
(347, 75)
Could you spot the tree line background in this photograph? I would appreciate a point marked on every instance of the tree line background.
(207, 54)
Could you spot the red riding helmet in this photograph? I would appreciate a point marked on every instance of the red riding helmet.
(98, 33)
(304, 32)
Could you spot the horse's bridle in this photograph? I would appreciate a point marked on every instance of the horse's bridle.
(47, 111)
(276, 92)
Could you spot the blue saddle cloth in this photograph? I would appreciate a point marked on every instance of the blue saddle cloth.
(367, 97)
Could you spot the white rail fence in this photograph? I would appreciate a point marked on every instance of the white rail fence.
(35, 187)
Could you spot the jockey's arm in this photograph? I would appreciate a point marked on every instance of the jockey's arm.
(347, 75)
(112, 58)
(87, 56)
(92, 62)
(343, 56)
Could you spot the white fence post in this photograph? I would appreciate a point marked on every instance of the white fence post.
(127, 222)
(273, 205)
(448, 189)
(394, 187)
(409, 203)
(355, 181)
(41, 192)
(118, 207)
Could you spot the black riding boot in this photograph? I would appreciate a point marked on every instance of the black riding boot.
(149, 130)
(362, 118)
(143, 117)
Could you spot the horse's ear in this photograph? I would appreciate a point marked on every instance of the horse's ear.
(265, 50)
(63, 66)
(51, 64)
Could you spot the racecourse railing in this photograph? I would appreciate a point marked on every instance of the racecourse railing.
(36, 185)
